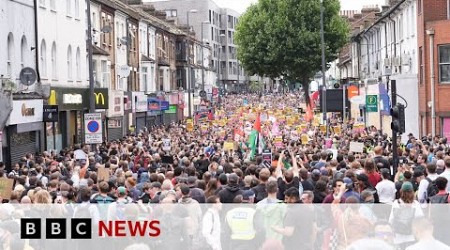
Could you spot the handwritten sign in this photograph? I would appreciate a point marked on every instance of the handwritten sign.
(278, 142)
(6, 186)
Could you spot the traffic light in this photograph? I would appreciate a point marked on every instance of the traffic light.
(398, 118)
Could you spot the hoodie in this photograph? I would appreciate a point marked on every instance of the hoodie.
(228, 194)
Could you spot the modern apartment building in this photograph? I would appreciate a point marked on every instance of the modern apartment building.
(216, 26)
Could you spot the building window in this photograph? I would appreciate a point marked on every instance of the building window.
(171, 13)
(144, 85)
(419, 7)
(105, 74)
(23, 51)
(69, 8)
(421, 71)
(43, 61)
(77, 8)
(10, 55)
(77, 64)
(448, 9)
(54, 74)
(444, 63)
(69, 63)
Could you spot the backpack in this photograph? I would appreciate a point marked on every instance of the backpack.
(403, 217)
(436, 199)
(432, 189)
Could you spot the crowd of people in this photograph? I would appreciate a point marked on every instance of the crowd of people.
(293, 162)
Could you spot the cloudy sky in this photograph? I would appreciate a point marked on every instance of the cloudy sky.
(241, 5)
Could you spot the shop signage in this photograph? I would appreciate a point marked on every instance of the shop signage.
(172, 109)
(93, 128)
(50, 113)
(72, 99)
(164, 105)
(371, 103)
(116, 104)
(101, 98)
(139, 102)
(26, 111)
(154, 104)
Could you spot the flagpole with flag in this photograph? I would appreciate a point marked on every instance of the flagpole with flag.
(255, 137)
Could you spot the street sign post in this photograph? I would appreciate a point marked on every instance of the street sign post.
(371, 103)
(93, 128)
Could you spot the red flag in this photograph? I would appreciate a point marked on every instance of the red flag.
(257, 125)
(313, 98)
(309, 114)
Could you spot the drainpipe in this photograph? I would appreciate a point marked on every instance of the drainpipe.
(433, 108)
(36, 41)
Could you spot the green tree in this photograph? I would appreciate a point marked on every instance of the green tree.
(282, 38)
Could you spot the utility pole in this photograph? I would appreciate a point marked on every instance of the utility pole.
(324, 90)
(91, 72)
(394, 132)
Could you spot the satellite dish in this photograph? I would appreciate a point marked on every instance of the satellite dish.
(27, 76)
(124, 40)
(106, 29)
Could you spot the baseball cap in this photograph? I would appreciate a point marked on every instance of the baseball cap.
(248, 194)
(362, 177)
(122, 190)
(347, 181)
(407, 186)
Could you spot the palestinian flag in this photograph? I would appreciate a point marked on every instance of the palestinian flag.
(255, 141)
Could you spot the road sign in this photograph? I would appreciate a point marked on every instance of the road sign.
(93, 131)
(371, 103)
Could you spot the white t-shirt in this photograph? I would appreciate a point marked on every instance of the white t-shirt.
(446, 174)
(428, 244)
(386, 191)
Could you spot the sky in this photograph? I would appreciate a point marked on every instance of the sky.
(241, 5)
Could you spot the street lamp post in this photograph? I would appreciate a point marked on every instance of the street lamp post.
(218, 69)
(189, 60)
(203, 58)
(324, 93)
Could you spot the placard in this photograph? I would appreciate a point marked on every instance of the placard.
(228, 146)
(166, 145)
(305, 139)
(357, 147)
(103, 174)
(278, 142)
(6, 187)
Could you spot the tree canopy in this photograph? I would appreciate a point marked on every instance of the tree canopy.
(282, 38)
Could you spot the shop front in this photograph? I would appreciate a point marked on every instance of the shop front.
(128, 127)
(139, 106)
(68, 130)
(115, 115)
(23, 132)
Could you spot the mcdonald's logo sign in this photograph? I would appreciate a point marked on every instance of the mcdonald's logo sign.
(101, 98)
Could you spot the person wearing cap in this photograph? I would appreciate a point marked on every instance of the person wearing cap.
(231, 190)
(248, 196)
(403, 212)
(365, 185)
(386, 188)
(349, 189)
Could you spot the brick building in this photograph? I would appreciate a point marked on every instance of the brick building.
(433, 29)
